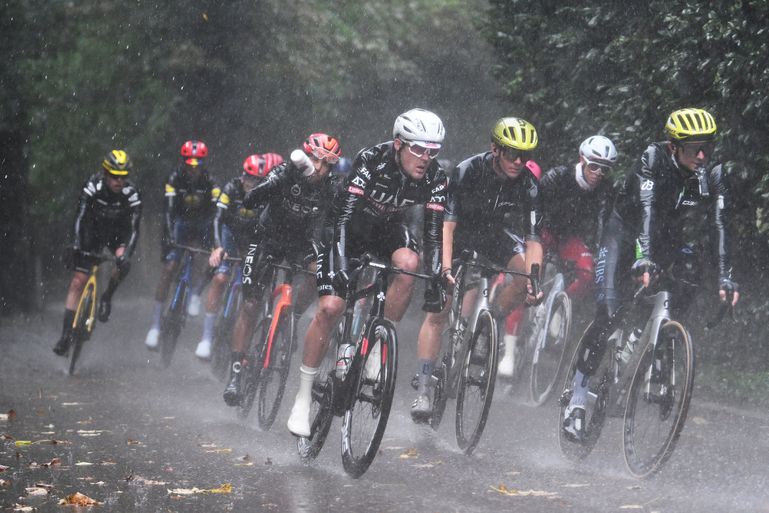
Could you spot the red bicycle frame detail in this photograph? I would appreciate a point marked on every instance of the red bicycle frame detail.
(286, 300)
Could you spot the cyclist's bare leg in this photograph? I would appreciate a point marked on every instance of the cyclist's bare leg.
(76, 286)
(216, 291)
(305, 290)
(161, 292)
(399, 291)
(243, 325)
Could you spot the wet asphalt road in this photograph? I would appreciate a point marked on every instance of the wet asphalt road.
(137, 438)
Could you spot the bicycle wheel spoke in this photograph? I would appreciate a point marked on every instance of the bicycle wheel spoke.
(272, 379)
(548, 355)
(658, 400)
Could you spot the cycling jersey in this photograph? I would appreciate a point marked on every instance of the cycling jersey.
(230, 212)
(192, 199)
(572, 211)
(105, 218)
(494, 214)
(376, 196)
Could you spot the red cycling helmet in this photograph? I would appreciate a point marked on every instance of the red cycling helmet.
(323, 146)
(260, 165)
(194, 149)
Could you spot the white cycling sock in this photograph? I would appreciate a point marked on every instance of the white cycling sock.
(208, 325)
(579, 395)
(156, 314)
(304, 394)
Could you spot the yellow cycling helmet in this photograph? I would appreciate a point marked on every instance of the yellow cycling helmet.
(515, 133)
(117, 163)
(687, 124)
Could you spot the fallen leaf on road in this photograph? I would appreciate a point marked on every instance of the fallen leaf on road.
(10, 415)
(225, 488)
(71, 404)
(36, 490)
(576, 485)
(4, 483)
(514, 492)
(83, 464)
(631, 506)
(410, 453)
(91, 432)
(78, 499)
(700, 421)
(3, 468)
(23, 443)
(130, 441)
(149, 482)
(6, 437)
(219, 450)
(22, 507)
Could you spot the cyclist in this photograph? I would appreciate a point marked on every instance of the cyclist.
(494, 209)
(191, 196)
(659, 208)
(233, 226)
(297, 195)
(386, 180)
(576, 200)
(108, 214)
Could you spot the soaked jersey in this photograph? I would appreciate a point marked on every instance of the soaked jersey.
(482, 203)
(230, 211)
(295, 206)
(190, 198)
(98, 206)
(572, 211)
(377, 192)
(667, 206)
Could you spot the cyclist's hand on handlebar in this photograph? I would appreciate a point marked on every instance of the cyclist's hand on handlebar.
(447, 275)
(728, 288)
(341, 279)
(532, 300)
(216, 257)
(642, 270)
(435, 295)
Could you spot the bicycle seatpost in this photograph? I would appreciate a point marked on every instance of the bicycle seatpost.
(534, 278)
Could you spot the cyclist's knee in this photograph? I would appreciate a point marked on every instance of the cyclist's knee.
(220, 279)
(329, 309)
(405, 258)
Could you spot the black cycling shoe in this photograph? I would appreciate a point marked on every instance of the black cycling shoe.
(62, 346)
(574, 425)
(105, 308)
(232, 390)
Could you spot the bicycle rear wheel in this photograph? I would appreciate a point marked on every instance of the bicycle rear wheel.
(549, 350)
(658, 400)
(476, 383)
(373, 384)
(272, 379)
(82, 327)
(172, 323)
(595, 411)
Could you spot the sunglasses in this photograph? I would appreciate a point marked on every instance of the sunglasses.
(512, 154)
(118, 178)
(321, 154)
(419, 151)
(595, 167)
(693, 149)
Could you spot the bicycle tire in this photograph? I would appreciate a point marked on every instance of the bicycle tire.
(595, 412)
(371, 395)
(81, 331)
(251, 370)
(172, 323)
(440, 396)
(479, 373)
(658, 400)
(272, 379)
(548, 353)
(220, 355)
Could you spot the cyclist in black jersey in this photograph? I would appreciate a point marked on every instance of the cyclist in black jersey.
(108, 214)
(296, 194)
(577, 200)
(494, 209)
(191, 195)
(368, 217)
(659, 209)
(233, 226)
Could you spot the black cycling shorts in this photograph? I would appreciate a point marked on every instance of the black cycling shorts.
(95, 237)
(255, 272)
(499, 246)
(381, 243)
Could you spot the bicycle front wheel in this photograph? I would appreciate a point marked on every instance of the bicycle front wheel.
(373, 378)
(658, 400)
(476, 383)
(549, 349)
(252, 370)
(171, 325)
(83, 324)
(272, 378)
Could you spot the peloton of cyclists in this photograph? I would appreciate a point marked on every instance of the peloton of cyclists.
(233, 226)
(577, 200)
(108, 215)
(657, 220)
(191, 196)
(494, 209)
(297, 195)
(368, 217)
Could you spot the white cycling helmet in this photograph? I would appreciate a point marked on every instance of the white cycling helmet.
(419, 126)
(598, 149)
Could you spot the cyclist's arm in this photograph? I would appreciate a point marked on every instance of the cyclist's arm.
(721, 220)
(354, 190)
(257, 196)
(433, 225)
(534, 250)
(83, 206)
(136, 215)
(643, 184)
(170, 196)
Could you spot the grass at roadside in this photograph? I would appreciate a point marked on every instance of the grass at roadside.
(735, 386)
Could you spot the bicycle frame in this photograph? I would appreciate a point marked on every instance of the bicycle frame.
(185, 278)
(90, 284)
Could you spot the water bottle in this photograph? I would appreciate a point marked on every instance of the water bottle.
(624, 354)
(357, 318)
(343, 358)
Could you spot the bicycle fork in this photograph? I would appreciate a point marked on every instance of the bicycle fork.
(284, 295)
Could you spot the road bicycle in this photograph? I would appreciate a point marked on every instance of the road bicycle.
(85, 316)
(361, 391)
(225, 323)
(654, 385)
(468, 367)
(267, 364)
(175, 316)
